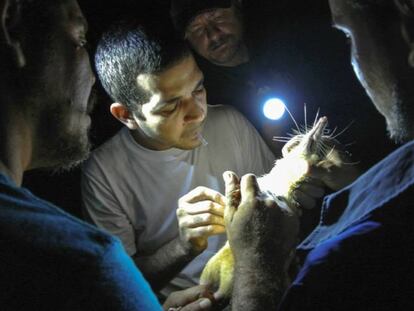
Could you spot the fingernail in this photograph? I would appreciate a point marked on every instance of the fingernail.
(227, 177)
(218, 295)
(205, 303)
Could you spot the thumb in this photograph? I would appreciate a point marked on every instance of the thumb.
(318, 173)
(232, 185)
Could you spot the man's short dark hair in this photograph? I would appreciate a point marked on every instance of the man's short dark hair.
(182, 12)
(127, 50)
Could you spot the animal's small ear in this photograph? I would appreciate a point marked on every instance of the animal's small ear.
(288, 147)
(406, 10)
(10, 20)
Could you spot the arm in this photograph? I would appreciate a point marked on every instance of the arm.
(200, 215)
(163, 265)
(262, 236)
(114, 283)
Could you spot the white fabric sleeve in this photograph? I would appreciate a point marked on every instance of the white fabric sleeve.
(257, 157)
(101, 208)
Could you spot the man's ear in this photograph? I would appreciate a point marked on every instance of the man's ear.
(10, 20)
(120, 112)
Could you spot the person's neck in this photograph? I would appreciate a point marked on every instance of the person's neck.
(146, 142)
(15, 145)
(15, 174)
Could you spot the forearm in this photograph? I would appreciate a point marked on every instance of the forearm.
(162, 266)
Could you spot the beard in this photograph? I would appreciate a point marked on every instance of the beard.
(227, 55)
(400, 119)
(66, 147)
(64, 142)
(399, 125)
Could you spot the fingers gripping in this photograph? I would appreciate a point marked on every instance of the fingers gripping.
(249, 189)
(232, 195)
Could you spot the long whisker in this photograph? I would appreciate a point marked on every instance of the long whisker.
(293, 119)
(344, 130)
(281, 137)
(316, 117)
(351, 163)
(334, 131)
(304, 111)
(330, 152)
(350, 144)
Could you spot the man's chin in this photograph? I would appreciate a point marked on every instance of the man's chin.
(191, 144)
(69, 153)
(399, 126)
(400, 135)
(223, 57)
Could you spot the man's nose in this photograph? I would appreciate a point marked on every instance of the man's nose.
(213, 32)
(195, 110)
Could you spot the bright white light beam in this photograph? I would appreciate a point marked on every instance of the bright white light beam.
(274, 109)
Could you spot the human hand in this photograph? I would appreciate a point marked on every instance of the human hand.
(335, 177)
(256, 226)
(319, 177)
(191, 299)
(330, 165)
(200, 215)
(308, 192)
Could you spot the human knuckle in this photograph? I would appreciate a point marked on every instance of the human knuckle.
(201, 189)
(180, 212)
(269, 202)
(217, 197)
(209, 206)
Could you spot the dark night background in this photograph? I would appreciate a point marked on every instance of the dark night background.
(298, 32)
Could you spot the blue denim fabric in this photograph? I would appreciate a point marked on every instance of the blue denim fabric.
(360, 256)
(50, 260)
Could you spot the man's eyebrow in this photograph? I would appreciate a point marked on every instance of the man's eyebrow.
(200, 83)
(171, 100)
(163, 103)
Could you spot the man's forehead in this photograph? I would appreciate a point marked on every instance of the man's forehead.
(147, 81)
(185, 74)
(206, 14)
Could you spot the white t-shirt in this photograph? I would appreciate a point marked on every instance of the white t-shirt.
(133, 192)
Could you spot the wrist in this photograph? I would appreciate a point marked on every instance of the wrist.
(266, 286)
(269, 261)
(185, 249)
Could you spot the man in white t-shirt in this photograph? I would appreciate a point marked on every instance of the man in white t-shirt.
(157, 183)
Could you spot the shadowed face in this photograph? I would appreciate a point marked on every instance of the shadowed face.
(175, 114)
(379, 55)
(217, 35)
(62, 90)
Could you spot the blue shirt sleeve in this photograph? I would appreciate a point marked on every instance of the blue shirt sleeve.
(120, 285)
